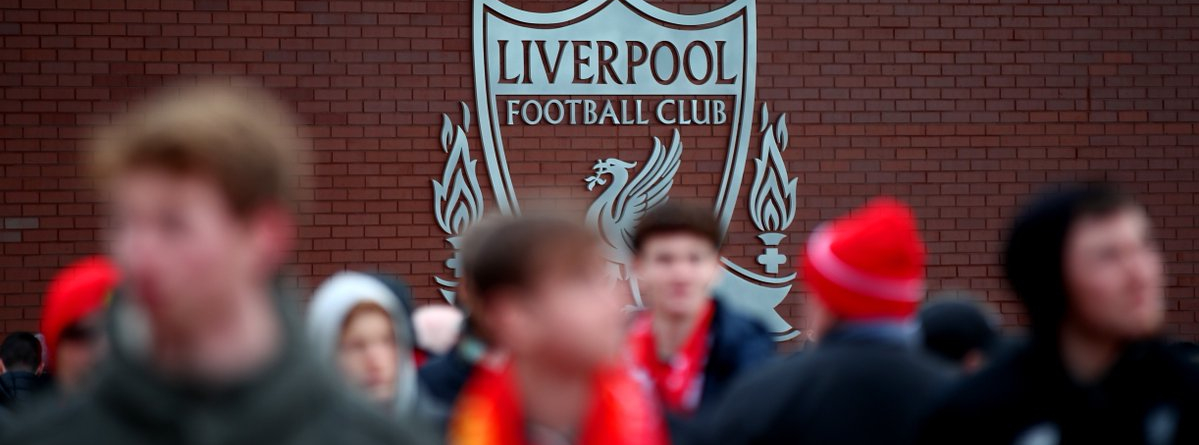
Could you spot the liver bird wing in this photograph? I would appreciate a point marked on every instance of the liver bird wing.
(649, 188)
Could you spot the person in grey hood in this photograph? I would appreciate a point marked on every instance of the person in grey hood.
(360, 326)
(204, 349)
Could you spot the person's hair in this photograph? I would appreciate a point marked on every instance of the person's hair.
(363, 308)
(1034, 258)
(513, 252)
(241, 138)
(674, 217)
(953, 324)
(21, 349)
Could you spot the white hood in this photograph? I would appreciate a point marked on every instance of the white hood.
(334, 299)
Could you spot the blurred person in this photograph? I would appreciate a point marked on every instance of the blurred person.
(203, 347)
(960, 331)
(358, 324)
(1084, 263)
(443, 377)
(1189, 350)
(864, 381)
(437, 328)
(407, 309)
(688, 346)
(20, 368)
(540, 290)
(72, 324)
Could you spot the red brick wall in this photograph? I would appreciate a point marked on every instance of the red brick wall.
(961, 109)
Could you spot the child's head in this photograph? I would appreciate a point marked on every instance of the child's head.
(677, 260)
(367, 353)
(200, 180)
(539, 289)
(358, 323)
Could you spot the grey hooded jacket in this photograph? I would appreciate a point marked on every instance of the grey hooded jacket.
(334, 300)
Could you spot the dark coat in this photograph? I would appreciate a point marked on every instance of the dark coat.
(739, 343)
(292, 401)
(443, 377)
(1149, 397)
(1027, 396)
(18, 388)
(848, 390)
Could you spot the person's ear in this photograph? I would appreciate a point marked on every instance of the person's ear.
(505, 319)
(638, 263)
(714, 261)
(273, 234)
(714, 272)
(2, 368)
(463, 300)
(973, 361)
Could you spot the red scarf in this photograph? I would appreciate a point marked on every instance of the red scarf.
(489, 411)
(679, 382)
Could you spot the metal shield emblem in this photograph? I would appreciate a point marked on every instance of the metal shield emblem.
(612, 63)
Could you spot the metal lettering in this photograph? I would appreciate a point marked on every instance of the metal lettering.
(670, 69)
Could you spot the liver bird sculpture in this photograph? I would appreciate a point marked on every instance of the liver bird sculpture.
(615, 212)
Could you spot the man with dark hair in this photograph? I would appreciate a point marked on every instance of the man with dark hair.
(958, 330)
(21, 360)
(1084, 263)
(864, 382)
(688, 346)
(203, 347)
(538, 288)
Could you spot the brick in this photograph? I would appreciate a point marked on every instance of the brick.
(962, 110)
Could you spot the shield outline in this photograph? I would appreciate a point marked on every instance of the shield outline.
(488, 120)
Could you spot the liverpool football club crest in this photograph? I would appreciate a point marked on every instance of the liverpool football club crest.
(615, 64)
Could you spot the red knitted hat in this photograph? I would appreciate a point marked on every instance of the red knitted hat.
(76, 293)
(868, 264)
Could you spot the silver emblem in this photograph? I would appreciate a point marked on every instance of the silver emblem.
(615, 212)
(771, 209)
(616, 63)
(457, 199)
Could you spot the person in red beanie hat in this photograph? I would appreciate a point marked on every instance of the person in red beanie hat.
(865, 381)
(71, 320)
(868, 265)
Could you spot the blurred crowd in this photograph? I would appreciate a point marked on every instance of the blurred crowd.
(182, 333)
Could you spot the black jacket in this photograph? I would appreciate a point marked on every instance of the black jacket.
(292, 401)
(18, 388)
(848, 390)
(738, 344)
(443, 377)
(1149, 397)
